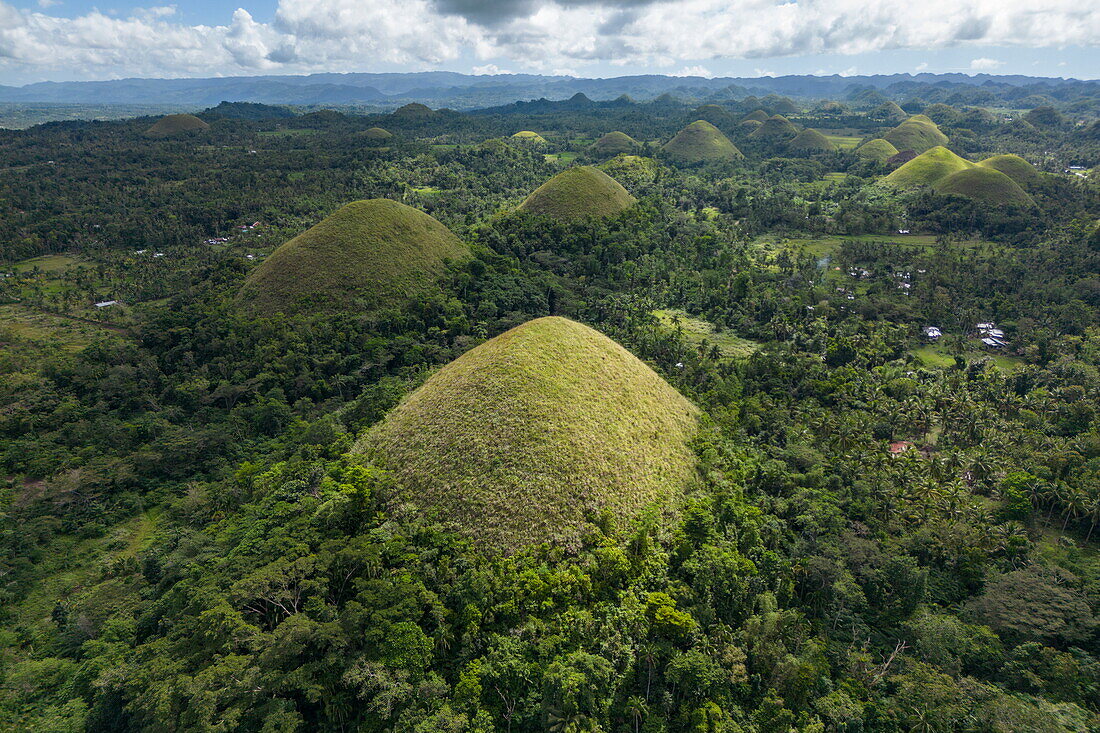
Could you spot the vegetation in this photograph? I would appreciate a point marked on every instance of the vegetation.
(928, 168)
(878, 150)
(701, 142)
(811, 141)
(528, 136)
(377, 133)
(987, 185)
(758, 115)
(1015, 167)
(776, 127)
(577, 193)
(524, 438)
(170, 125)
(918, 133)
(615, 143)
(368, 254)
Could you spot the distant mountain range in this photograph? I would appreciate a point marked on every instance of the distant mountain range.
(463, 91)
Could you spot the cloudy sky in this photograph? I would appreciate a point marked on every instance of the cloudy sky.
(81, 39)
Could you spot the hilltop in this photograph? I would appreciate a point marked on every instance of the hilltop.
(1015, 167)
(366, 255)
(757, 115)
(811, 141)
(376, 133)
(413, 109)
(529, 136)
(176, 124)
(520, 439)
(918, 133)
(614, 143)
(878, 149)
(984, 184)
(889, 111)
(578, 192)
(714, 114)
(927, 168)
(701, 141)
(631, 170)
(775, 127)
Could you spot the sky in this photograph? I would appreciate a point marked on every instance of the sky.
(63, 40)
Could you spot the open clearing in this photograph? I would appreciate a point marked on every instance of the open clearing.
(696, 331)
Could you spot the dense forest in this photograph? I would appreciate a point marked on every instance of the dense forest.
(892, 520)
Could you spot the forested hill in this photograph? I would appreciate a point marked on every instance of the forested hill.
(758, 416)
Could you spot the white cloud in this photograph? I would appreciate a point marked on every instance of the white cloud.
(923, 65)
(764, 72)
(48, 3)
(488, 70)
(536, 35)
(984, 64)
(694, 71)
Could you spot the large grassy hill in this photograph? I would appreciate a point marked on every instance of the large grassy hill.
(927, 168)
(176, 124)
(757, 114)
(714, 114)
(520, 439)
(701, 141)
(984, 184)
(578, 192)
(529, 136)
(377, 134)
(368, 254)
(877, 149)
(1015, 167)
(614, 143)
(776, 127)
(811, 141)
(918, 133)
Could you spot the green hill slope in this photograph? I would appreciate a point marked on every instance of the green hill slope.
(529, 136)
(758, 114)
(614, 143)
(984, 184)
(927, 169)
(877, 149)
(714, 114)
(368, 254)
(518, 440)
(376, 134)
(776, 127)
(631, 170)
(701, 141)
(1013, 166)
(176, 124)
(413, 110)
(918, 133)
(889, 111)
(578, 192)
(811, 141)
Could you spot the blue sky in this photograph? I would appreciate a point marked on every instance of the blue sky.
(78, 39)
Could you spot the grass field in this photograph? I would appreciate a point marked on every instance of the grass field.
(696, 331)
(563, 158)
(47, 263)
(844, 142)
(934, 355)
(19, 322)
(288, 132)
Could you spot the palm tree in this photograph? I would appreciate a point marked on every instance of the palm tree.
(636, 709)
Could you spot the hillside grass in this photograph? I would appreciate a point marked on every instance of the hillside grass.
(987, 185)
(615, 143)
(578, 192)
(524, 438)
(368, 254)
(918, 133)
(175, 125)
(810, 140)
(878, 149)
(927, 169)
(529, 136)
(937, 356)
(776, 127)
(697, 331)
(844, 142)
(1015, 167)
(701, 142)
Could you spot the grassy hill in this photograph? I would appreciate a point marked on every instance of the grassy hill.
(578, 192)
(1015, 167)
(927, 169)
(776, 127)
(529, 136)
(520, 439)
(757, 114)
(889, 111)
(176, 124)
(811, 141)
(877, 149)
(366, 255)
(631, 170)
(918, 133)
(614, 143)
(413, 109)
(701, 141)
(376, 133)
(984, 184)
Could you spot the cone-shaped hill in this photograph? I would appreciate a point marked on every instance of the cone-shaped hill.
(518, 440)
(529, 136)
(757, 114)
(889, 111)
(1015, 167)
(614, 143)
(377, 134)
(984, 184)
(701, 141)
(175, 124)
(927, 168)
(776, 127)
(413, 109)
(877, 149)
(747, 126)
(811, 141)
(368, 254)
(918, 133)
(578, 192)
